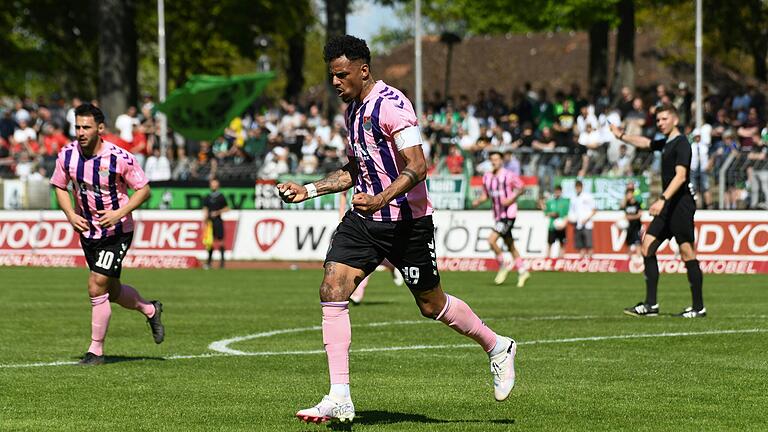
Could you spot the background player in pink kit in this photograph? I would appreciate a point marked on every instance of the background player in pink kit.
(100, 173)
(503, 187)
(391, 218)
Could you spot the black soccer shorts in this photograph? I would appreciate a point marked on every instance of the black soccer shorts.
(675, 220)
(409, 245)
(218, 228)
(633, 236)
(503, 227)
(105, 255)
(554, 235)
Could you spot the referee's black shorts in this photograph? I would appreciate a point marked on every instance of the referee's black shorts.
(409, 245)
(218, 228)
(675, 220)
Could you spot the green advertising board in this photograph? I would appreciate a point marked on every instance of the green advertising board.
(608, 192)
(447, 192)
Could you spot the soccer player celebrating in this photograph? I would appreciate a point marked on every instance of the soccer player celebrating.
(100, 172)
(672, 213)
(503, 187)
(391, 217)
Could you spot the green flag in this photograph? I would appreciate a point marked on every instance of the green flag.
(205, 105)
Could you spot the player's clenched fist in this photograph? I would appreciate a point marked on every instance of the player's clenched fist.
(291, 192)
(367, 204)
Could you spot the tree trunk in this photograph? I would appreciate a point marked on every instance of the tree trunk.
(598, 56)
(295, 68)
(761, 71)
(132, 53)
(117, 58)
(624, 66)
(336, 25)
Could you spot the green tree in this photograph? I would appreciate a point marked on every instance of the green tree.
(73, 48)
(49, 44)
(741, 25)
(504, 16)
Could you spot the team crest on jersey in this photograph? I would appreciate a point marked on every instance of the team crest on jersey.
(367, 124)
(104, 171)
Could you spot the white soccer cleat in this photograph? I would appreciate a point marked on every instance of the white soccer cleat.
(501, 276)
(521, 278)
(329, 409)
(503, 370)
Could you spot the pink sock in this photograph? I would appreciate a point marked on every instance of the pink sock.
(337, 336)
(458, 316)
(130, 299)
(100, 313)
(360, 290)
(520, 265)
(500, 259)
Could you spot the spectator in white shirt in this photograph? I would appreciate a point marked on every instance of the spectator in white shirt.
(157, 167)
(701, 166)
(623, 165)
(25, 166)
(125, 124)
(591, 139)
(24, 134)
(582, 210)
(76, 102)
(275, 166)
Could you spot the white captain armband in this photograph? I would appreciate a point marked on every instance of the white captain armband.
(408, 137)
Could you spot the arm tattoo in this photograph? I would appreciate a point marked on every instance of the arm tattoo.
(336, 181)
(412, 177)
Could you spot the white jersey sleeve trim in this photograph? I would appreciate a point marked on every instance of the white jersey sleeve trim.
(408, 137)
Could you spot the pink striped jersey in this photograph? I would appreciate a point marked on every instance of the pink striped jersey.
(100, 182)
(500, 186)
(372, 125)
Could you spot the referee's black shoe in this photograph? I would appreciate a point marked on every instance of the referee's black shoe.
(690, 312)
(91, 359)
(158, 330)
(643, 309)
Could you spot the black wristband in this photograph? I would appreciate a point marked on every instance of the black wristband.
(621, 137)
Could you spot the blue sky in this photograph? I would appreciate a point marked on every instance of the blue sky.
(367, 18)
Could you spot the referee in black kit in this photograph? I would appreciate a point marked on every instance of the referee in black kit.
(672, 213)
(214, 205)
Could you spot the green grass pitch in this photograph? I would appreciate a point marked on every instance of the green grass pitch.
(582, 364)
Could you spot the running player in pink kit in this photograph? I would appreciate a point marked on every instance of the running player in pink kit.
(391, 218)
(503, 187)
(100, 172)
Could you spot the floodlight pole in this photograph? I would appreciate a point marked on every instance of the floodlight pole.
(699, 113)
(417, 60)
(161, 75)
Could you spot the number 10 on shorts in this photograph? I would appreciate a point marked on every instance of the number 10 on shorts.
(105, 259)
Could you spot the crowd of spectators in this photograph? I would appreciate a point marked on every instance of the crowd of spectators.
(541, 135)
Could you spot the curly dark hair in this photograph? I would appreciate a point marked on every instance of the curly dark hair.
(351, 47)
(89, 110)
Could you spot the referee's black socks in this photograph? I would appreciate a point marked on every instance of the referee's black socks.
(695, 279)
(651, 279)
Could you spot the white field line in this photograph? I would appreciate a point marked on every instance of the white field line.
(400, 348)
